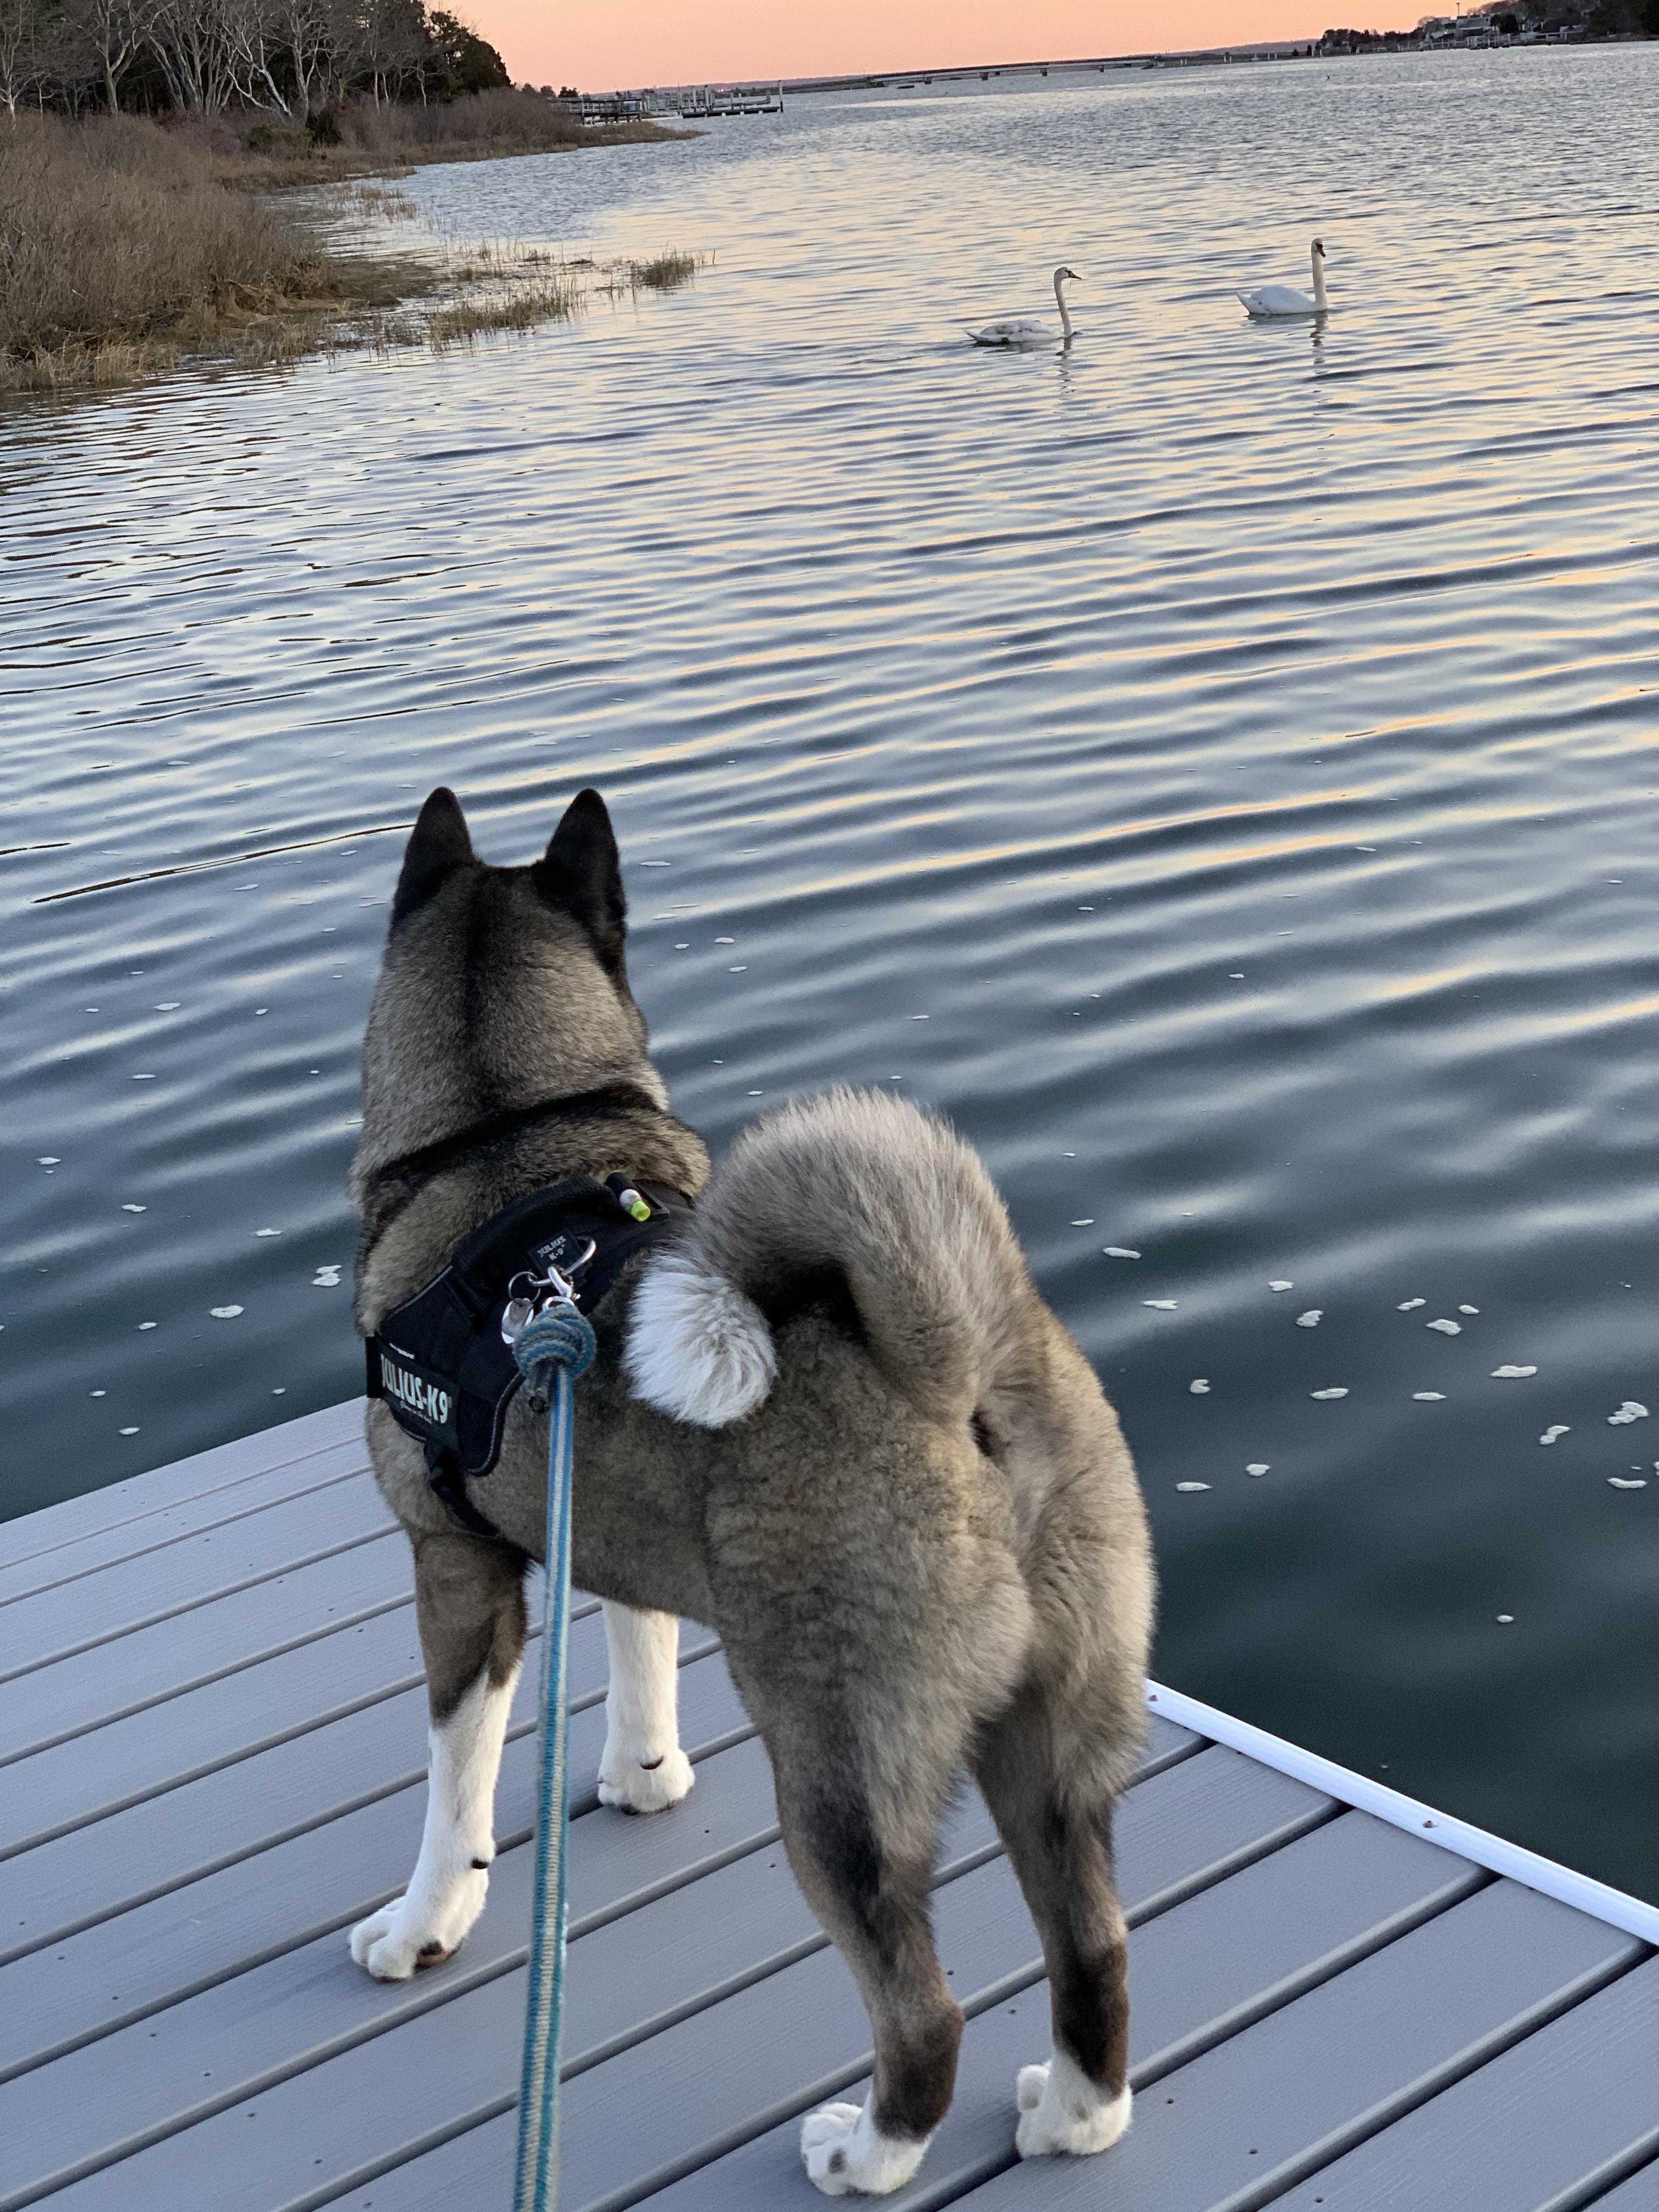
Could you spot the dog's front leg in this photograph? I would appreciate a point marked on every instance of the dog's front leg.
(469, 1600)
(643, 1769)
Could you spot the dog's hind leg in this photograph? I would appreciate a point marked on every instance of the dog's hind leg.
(643, 1768)
(1051, 1792)
(868, 1881)
(468, 1604)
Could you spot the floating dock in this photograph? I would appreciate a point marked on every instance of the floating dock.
(214, 1745)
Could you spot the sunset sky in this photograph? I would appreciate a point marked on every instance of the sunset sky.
(600, 45)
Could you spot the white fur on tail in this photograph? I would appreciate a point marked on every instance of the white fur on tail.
(698, 1350)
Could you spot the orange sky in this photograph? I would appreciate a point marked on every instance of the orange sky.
(599, 45)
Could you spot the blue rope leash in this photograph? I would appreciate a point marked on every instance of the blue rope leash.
(552, 1349)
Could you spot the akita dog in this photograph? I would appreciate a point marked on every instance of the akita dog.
(831, 1417)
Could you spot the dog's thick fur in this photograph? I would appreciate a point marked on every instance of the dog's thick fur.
(836, 1422)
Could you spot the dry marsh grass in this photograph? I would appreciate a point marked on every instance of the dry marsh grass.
(122, 253)
(113, 238)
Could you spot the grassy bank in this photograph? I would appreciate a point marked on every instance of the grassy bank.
(362, 140)
(126, 246)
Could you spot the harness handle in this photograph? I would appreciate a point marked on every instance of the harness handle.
(555, 1346)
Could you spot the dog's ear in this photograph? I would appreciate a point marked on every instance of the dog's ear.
(438, 845)
(581, 874)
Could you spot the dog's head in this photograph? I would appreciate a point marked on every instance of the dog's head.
(498, 986)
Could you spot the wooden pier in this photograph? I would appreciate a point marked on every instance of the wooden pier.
(212, 1764)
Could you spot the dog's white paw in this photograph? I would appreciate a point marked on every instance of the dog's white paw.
(1061, 2109)
(846, 2153)
(404, 1935)
(632, 1787)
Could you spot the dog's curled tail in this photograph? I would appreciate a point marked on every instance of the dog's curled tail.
(852, 1195)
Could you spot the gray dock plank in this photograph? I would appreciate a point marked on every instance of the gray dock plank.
(212, 1759)
(316, 1883)
(694, 2089)
(73, 1783)
(264, 1457)
(1639, 2194)
(165, 1659)
(66, 1563)
(1198, 1973)
(1549, 2123)
(163, 1843)
(106, 2099)
(1249, 2119)
(111, 1601)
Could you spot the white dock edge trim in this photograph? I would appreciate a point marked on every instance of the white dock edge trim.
(1578, 1890)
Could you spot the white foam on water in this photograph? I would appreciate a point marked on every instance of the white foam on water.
(1160, 1305)
(1429, 1397)
(144, 1325)
(1281, 1285)
(126, 1433)
(1632, 1410)
(129, 1207)
(1312, 1318)
(1258, 1467)
(1117, 1251)
(267, 1232)
(1087, 1222)
(1322, 1394)
(1468, 1309)
(1199, 1387)
(1506, 1373)
(1446, 1327)
(1192, 1486)
(1556, 1429)
(1410, 1305)
(50, 1160)
(1504, 1619)
(225, 1313)
(1627, 1482)
(169, 1005)
(327, 1277)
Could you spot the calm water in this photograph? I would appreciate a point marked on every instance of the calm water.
(1215, 765)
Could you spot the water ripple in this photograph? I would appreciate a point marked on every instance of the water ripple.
(1211, 764)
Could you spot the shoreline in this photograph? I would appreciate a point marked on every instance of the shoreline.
(183, 252)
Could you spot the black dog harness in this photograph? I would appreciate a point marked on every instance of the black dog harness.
(441, 1363)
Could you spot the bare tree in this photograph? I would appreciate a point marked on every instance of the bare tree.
(26, 54)
(112, 33)
(190, 40)
(387, 42)
(255, 51)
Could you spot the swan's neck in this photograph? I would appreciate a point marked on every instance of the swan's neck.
(1318, 280)
(1060, 301)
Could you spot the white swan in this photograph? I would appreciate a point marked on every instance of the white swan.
(1285, 299)
(1024, 331)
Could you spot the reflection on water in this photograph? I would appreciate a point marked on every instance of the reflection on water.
(1212, 762)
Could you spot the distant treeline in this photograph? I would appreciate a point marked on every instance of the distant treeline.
(294, 59)
(1502, 20)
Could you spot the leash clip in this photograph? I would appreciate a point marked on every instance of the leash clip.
(529, 1294)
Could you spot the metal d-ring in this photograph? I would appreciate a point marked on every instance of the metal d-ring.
(539, 1291)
